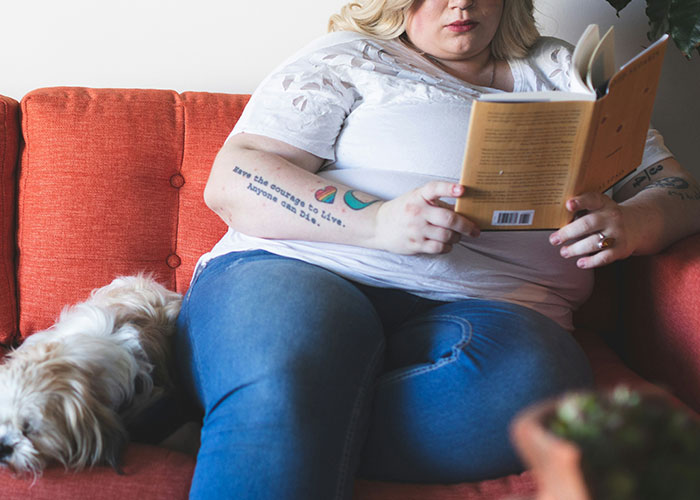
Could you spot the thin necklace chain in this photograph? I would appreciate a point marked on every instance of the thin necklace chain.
(444, 67)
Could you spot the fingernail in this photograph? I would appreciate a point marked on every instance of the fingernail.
(554, 239)
(564, 252)
(573, 205)
(581, 263)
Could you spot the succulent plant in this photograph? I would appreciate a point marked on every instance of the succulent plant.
(633, 445)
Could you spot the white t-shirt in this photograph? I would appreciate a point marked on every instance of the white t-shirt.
(388, 121)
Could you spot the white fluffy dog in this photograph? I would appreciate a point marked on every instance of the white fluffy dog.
(67, 392)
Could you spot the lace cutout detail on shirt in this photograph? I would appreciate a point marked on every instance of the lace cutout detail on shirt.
(549, 66)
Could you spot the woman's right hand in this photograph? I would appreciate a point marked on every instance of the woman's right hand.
(419, 222)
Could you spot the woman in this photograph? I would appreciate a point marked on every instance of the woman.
(350, 320)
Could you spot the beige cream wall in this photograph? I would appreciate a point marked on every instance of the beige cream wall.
(228, 46)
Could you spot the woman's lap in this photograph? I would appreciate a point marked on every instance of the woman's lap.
(285, 358)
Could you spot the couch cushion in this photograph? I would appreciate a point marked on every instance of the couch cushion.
(209, 118)
(111, 183)
(9, 140)
(94, 193)
(516, 486)
(158, 474)
(662, 318)
(149, 473)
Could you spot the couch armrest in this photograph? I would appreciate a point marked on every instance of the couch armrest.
(661, 315)
(9, 145)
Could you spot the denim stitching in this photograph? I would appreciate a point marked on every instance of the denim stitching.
(196, 374)
(352, 427)
(196, 359)
(467, 334)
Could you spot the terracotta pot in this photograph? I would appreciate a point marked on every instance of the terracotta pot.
(554, 462)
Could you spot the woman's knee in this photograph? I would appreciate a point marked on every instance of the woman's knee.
(457, 377)
(499, 340)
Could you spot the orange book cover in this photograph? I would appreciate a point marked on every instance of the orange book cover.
(527, 153)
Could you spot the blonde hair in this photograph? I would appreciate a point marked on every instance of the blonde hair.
(386, 19)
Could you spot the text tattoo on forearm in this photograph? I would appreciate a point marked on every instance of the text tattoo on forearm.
(677, 187)
(306, 210)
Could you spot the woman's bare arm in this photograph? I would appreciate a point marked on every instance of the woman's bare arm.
(266, 188)
(651, 211)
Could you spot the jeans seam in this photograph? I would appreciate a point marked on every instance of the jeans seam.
(196, 360)
(457, 349)
(360, 400)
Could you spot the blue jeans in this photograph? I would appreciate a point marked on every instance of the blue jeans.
(308, 380)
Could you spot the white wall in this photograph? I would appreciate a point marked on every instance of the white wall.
(229, 46)
(209, 45)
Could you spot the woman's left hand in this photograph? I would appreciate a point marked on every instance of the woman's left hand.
(605, 233)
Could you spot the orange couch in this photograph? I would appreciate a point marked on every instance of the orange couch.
(97, 182)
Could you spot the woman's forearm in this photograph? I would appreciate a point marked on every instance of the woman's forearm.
(668, 210)
(652, 211)
(264, 194)
(269, 189)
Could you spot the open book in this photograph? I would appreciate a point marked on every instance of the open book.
(527, 153)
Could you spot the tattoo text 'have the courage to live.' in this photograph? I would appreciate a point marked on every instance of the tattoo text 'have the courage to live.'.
(280, 196)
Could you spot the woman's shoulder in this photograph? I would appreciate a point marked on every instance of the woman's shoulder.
(549, 48)
(342, 56)
(336, 42)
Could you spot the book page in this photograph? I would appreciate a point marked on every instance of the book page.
(601, 67)
(581, 57)
(520, 162)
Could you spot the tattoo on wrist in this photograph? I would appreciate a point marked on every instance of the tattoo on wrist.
(291, 203)
(351, 199)
(669, 183)
(288, 201)
(676, 187)
(647, 174)
(326, 194)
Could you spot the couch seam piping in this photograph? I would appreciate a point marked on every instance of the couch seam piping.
(8, 267)
(21, 187)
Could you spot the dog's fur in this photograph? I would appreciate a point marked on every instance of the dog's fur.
(67, 393)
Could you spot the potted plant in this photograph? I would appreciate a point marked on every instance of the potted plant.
(679, 18)
(622, 445)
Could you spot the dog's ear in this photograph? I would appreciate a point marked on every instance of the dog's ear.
(112, 455)
(110, 435)
(116, 466)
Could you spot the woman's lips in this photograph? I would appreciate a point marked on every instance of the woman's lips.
(462, 26)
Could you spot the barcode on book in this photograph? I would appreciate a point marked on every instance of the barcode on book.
(515, 218)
